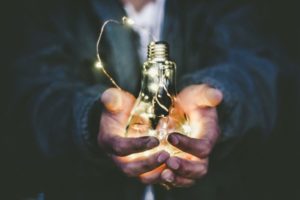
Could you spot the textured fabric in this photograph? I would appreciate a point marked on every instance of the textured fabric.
(57, 92)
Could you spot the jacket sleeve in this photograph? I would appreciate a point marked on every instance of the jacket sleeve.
(244, 68)
(56, 99)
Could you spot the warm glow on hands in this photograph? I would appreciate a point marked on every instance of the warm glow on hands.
(117, 107)
(199, 103)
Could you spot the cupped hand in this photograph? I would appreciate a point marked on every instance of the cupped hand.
(199, 103)
(111, 138)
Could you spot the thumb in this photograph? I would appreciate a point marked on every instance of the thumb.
(112, 100)
(201, 95)
(211, 97)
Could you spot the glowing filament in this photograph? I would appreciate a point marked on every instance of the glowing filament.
(153, 72)
(153, 87)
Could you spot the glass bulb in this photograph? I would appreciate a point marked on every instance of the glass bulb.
(151, 114)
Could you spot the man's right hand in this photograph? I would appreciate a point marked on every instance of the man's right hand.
(117, 107)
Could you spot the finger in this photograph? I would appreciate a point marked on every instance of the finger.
(168, 176)
(200, 148)
(141, 165)
(118, 105)
(192, 169)
(183, 182)
(199, 96)
(153, 176)
(122, 146)
(211, 97)
(170, 179)
(204, 124)
(115, 100)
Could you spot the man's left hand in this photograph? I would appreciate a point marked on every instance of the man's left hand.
(199, 103)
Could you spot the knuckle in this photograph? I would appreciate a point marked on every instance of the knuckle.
(120, 149)
(201, 171)
(205, 148)
(205, 152)
(187, 173)
(180, 181)
(204, 170)
(145, 166)
(128, 170)
(191, 172)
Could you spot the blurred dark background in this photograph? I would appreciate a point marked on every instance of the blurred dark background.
(280, 159)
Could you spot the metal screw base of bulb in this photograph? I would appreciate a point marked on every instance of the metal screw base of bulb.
(158, 51)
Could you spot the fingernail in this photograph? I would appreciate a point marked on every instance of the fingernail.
(167, 175)
(173, 164)
(152, 142)
(163, 157)
(173, 139)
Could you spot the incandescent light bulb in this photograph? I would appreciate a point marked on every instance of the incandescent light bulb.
(152, 112)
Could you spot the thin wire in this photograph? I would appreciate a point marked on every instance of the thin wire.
(98, 52)
(124, 20)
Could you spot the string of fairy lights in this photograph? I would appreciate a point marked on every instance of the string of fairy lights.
(152, 72)
(99, 64)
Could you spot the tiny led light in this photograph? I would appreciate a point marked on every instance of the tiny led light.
(127, 21)
(98, 65)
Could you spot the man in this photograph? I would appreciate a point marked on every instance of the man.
(72, 118)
